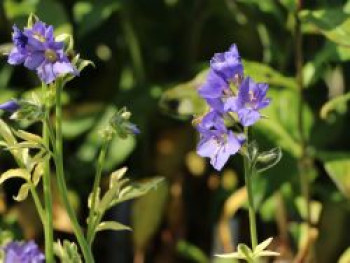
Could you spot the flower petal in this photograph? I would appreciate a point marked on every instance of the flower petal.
(248, 117)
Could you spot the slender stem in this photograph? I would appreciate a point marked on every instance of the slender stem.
(37, 203)
(299, 60)
(100, 164)
(48, 223)
(58, 155)
(248, 174)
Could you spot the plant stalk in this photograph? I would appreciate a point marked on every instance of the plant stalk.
(303, 166)
(100, 164)
(58, 155)
(48, 222)
(248, 174)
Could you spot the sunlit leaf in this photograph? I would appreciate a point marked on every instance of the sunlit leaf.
(30, 137)
(15, 173)
(37, 173)
(67, 252)
(345, 257)
(263, 73)
(112, 225)
(116, 176)
(147, 213)
(263, 245)
(23, 192)
(337, 166)
(333, 104)
(332, 23)
(191, 252)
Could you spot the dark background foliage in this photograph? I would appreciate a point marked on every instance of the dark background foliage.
(146, 54)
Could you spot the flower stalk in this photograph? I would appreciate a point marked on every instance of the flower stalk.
(48, 222)
(62, 187)
(94, 194)
(248, 174)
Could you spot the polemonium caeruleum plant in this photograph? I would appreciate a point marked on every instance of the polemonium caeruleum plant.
(235, 101)
(39, 50)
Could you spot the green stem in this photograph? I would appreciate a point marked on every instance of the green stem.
(37, 203)
(248, 174)
(303, 166)
(100, 164)
(62, 187)
(48, 223)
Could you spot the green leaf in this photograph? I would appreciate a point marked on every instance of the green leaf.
(97, 200)
(334, 104)
(263, 245)
(23, 192)
(6, 133)
(15, 173)
(334, 24)
(37, 173)
(260, 72)
(147, 213)
(268, 159)
(116, 176)
(91, 14)
(243, 249)
(345, 257)
(68, 252)
(30, 137)
(337, 166)
(182, 101)
(191, 252)
(112, 225)
(235, 255)
(268, 253)
(14, 9)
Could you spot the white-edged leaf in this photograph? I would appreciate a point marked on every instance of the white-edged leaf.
(6, 133)
(66, 38)
(23, 192)
(263, 245)
(30, 137)
(97, 199)
(116, 176)
(231, 255)
(268, 253)
(244, 250)
(112, 225)
(15, 173)
(38, 172)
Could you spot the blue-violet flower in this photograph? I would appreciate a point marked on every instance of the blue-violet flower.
(10, 106)
(37, 49)
(251, 98)
(23, 252)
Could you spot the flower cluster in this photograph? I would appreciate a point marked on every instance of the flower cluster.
(23, 252)
(36, 48)
(229, 94)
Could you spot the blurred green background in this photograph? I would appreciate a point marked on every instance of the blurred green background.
(150, 56)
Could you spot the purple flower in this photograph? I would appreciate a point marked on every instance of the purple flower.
(218, 145)
(37, 49)
(228, 64)
(10, 106)
(18, 53)
(23, 253)
(133, 128)
(251, 98)
(212, 120)
(214, 86)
